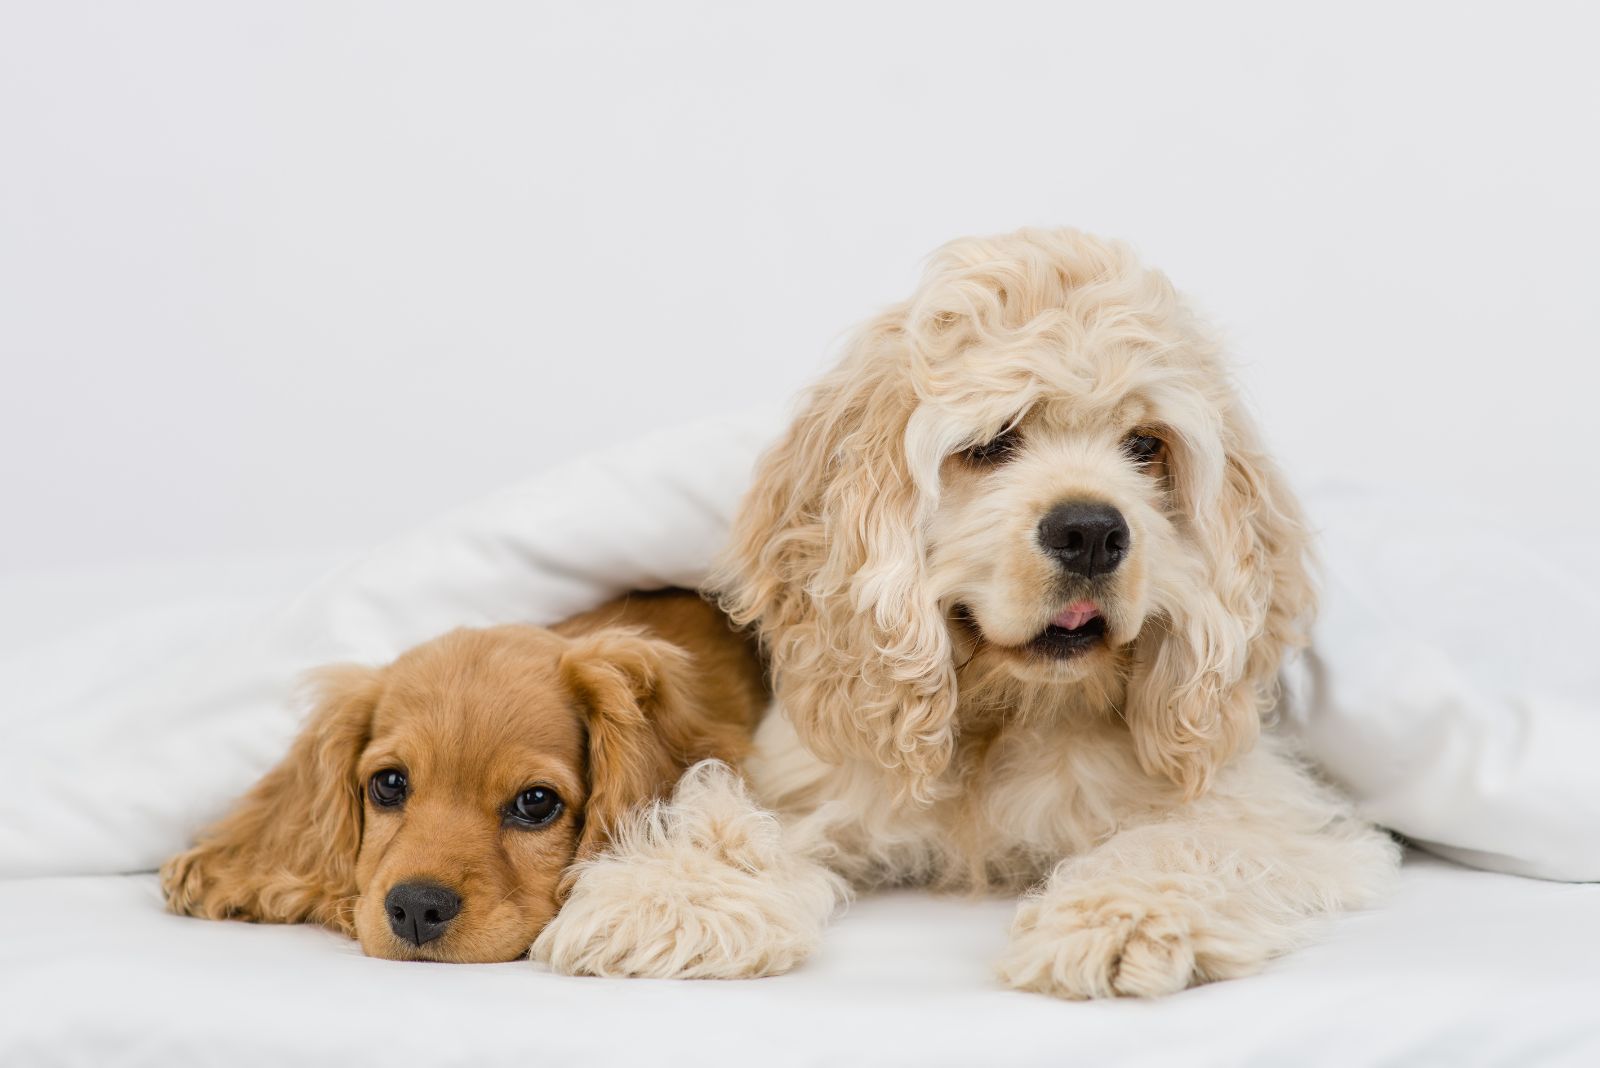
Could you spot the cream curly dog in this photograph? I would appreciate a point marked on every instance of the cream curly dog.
(1026, 576)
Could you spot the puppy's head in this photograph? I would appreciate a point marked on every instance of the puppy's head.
(431, 808)
(1032, 477)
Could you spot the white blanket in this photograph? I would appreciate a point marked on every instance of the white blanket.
(1461, 968)
(1457, 715)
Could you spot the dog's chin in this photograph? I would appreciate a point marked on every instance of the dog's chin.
(1054, 654)
(445, 949)
(394, 949)
(1062, 645)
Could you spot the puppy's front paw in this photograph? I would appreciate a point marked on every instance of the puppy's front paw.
(701, 888)
(1099, 946)
(185, 882)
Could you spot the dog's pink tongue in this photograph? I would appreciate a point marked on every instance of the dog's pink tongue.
(1075, 615)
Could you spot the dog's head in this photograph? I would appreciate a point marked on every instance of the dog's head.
(433, 808)
(1034, 475)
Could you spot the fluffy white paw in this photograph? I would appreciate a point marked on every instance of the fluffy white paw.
(1099, 946)
(701, 887)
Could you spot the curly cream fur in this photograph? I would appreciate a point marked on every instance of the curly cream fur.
(710, 869)
(899, 586)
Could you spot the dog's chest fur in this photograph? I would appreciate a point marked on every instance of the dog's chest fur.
(1022, 793)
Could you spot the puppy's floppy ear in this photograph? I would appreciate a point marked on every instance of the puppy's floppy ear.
(287, 852)
(644, 726)
(1204, 673)
(828, 557)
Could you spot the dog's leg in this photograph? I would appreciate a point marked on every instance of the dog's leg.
(1210, 894)
(706, 886)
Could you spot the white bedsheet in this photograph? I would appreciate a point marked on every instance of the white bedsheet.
(1462, 967)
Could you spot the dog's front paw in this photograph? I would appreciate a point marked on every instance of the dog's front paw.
(708, 921)
(1099, 946)
(700, 888)
(187, 884)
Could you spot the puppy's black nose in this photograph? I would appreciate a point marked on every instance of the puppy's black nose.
(419, 912)
(1087, 538)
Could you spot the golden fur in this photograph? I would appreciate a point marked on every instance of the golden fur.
(606, 709)
(889, 556)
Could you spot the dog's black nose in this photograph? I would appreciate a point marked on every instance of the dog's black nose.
(419, 912)
(1087, 538)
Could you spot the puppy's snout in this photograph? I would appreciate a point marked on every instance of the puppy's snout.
(1087, 538)
(420, 912)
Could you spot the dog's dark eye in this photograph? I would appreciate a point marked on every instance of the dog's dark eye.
(1143, 448)
(388, 787)
(535, 806)
(997, 450)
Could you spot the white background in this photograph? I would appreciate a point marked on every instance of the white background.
(279, 279)
(276, 277)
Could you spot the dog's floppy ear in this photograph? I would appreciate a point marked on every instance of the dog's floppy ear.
(287, 852)
(643, 724)
(828, 558)
(1206, 668)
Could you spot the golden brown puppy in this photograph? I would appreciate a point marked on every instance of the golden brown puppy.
(430, 808)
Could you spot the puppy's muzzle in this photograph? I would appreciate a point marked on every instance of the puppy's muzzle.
(1088, 538)
(420, 912)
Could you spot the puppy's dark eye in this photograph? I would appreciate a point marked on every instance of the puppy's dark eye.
(1143, 448)
(997, 450)
(388, 787)
(535, 807)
